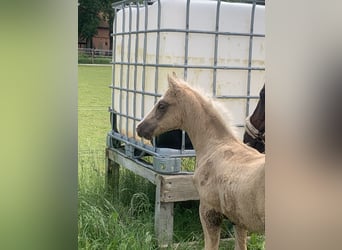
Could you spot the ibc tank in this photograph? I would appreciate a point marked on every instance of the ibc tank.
(218, 47)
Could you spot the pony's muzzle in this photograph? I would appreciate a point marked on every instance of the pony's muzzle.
(144, 130)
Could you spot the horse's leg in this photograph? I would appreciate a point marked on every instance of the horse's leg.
(211, 224)
(240, 238)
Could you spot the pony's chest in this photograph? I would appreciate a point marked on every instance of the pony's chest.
(213, 178)
(205, 180)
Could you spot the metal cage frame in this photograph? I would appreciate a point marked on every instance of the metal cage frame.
(135, 148)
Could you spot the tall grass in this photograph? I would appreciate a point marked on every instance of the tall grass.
(128, 223)
(105, 225)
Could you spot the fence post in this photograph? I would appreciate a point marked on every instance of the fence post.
(92, 55)
(112, 178)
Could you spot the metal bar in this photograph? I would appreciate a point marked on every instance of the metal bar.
(186, 59)
(186, 42)
(250, 53)
(236, 97)
(121, 68)
(127, 1)
(137, 91)
(142, 113)
(128, 117)
(156, 76)
(216, 45)
(119, 3)
(190, 66)
(136, 69)
(144, 62)
(128, 59)
(159, 95)
(114, 59)
(223, 33)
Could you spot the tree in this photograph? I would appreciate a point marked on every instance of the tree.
(90, 13)
(108, 14)
(88, 19)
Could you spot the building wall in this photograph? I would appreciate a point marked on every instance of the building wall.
(102, 39)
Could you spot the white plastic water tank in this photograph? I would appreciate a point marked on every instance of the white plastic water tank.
(233, 51)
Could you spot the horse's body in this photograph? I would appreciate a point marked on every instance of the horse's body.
(229, 175)
(255, 125)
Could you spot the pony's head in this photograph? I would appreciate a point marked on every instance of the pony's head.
(255, 125)
(166, 114)
(259, 117)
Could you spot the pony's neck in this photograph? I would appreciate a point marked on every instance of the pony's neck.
(205, 126)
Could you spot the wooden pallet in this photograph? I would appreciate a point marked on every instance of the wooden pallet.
(169, 189)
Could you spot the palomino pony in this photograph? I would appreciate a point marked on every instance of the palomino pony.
(229, 175)
(255, 125)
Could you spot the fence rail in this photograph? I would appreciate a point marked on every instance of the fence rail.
(89, 55)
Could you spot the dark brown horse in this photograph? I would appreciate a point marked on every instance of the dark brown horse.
(255, 125)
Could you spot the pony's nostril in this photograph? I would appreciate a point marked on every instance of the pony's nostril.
(140, 130)
(144, 130)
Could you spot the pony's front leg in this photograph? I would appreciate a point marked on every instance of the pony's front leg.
(240, 238)
(211, 224)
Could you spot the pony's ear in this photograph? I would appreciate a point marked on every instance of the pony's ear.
(173, 83)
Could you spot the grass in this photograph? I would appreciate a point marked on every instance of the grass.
(94, 98)
(101, 223)
(104, 225)
(128, 223)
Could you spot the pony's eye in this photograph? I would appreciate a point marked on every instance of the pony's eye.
(162, 106)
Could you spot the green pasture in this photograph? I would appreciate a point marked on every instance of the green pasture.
(94, 98)
(128, 223)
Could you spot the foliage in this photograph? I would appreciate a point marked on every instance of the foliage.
(90, 13)
(256, 242)
(88, 18)
(104, 225)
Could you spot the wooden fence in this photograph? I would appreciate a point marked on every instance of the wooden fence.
(88, 55)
